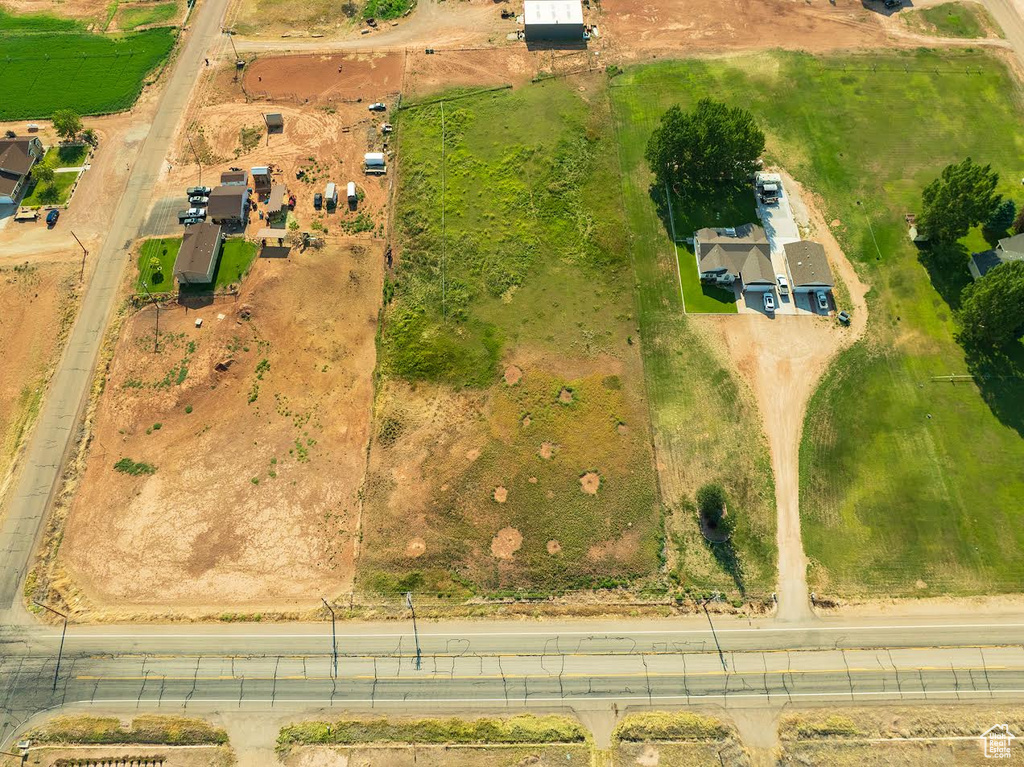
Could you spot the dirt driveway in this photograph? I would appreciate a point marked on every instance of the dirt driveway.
(783, 359)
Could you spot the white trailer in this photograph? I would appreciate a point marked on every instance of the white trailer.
(350, 193)
(374, 163)
(331, 195)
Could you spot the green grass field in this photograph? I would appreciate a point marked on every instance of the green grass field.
(535, 269)
(969, 20)
(47, 64)
(70, 156)
(133, 16)
(63, 182)
(706, 427)
(903, 479)
(157, 280)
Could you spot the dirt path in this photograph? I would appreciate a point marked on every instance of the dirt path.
(783, 360)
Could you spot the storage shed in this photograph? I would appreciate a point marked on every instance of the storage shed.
(553, 20)
(275, 122)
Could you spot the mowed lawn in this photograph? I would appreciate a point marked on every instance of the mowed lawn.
(42, 71)
(233, 262)
(706, 425)
(531, 275)
(908, 485)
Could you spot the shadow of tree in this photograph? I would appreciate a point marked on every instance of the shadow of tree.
(947, 267)
(999, 375)
(725, 555)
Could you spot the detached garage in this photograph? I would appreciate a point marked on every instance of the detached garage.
(553, 20)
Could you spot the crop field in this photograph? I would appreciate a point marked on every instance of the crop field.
(43, 69)
(920, 492)
(706, 426)
(512, 449)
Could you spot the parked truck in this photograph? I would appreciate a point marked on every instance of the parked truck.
(351, 194)
(374, 164)
(331, 196)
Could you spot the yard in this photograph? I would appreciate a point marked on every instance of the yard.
(143, 14)
(512, 450)
(706, 426)
(44, 69)
(236, 256)
(61, 181)
(918, 492)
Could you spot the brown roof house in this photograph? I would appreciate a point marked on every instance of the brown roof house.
(228, 205)
(809, 267)
(742, 254)
(197, 256)
(17, 157)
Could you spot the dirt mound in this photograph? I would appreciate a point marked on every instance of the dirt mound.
(526, 421)
(500, 494)
(512, 375)
(533, 480)
(548, 450)
(554, 547)
(506, 543)
(565, 396)
(590, 482)
(622, 429)
(415, 548)
(472, 455)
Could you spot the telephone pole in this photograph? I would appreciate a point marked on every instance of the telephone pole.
(64, 631)
(81, 277)
(334, 637)
(415, 632)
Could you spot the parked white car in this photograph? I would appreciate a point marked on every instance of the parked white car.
(783, 284)
(822, 300)
(769, 302)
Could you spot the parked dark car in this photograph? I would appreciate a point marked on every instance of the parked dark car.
(378, 106)
(893, 3)
(198, 191)
(318, 200)
(51, 218)
(844, 317)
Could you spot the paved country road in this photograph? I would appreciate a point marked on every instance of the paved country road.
(52, 438)
(509, 664)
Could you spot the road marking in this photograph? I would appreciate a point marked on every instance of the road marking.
(625, 634)
(512, 701)
(431, 675)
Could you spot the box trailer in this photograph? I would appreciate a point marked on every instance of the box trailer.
(351, 194)
(331, 195)
(374, 163)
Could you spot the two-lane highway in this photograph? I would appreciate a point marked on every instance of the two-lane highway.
(508, 664)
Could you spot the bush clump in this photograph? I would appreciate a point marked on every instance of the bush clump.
(658, 725)
(134, 468)
(151, 729)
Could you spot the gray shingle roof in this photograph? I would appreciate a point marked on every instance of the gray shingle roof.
(808, 264)
(743, 251)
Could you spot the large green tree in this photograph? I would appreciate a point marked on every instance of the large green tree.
(992, 309)
(700, 149)
(962, 197)
(66, 123)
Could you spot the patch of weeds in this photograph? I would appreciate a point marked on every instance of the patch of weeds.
(134, 468)
(248, 139)
(361, 223)
(188, 408)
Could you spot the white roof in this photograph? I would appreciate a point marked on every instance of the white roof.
(553, 12)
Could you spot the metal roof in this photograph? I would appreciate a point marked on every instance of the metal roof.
(552, 12)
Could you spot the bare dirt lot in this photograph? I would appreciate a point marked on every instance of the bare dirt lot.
(59, 756)
(77, 9)
(435, 756)
(509, 65)
(37, 307)
(255, 426)
(325, 78)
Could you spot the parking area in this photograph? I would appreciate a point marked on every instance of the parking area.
(163, 218)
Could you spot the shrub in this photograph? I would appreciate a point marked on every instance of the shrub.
(135, 469)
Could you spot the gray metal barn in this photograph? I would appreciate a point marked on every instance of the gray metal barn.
(553, 20)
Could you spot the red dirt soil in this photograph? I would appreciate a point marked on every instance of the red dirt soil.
(317, 77)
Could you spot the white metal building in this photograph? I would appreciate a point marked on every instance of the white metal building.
(548, 20)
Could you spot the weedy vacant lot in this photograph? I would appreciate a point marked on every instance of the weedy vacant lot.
(908, 484)
(967, 19)
(233, 453)
(706, 426)
(512, 449)
(51, 64)
(36, 310)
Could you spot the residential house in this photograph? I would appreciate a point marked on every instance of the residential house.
(197, 257)
(234, 178)
(1008, 249)
(809, 267)
(741, 254)
(228, 204)
(17, 157)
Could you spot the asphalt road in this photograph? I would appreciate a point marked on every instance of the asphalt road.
(510, 664)
(52, 436)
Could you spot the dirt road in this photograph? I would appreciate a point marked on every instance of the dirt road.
(1009, 14)
(782, 360)
(57, 423)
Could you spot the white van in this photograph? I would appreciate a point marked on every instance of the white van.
(331, 195)
(350, 193)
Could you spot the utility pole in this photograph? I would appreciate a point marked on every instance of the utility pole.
(721, 656)
(198, 162)
(64, 631)
(81, 277)
(23, 755)
(156, 336)
(415, 632)
(334, 637)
